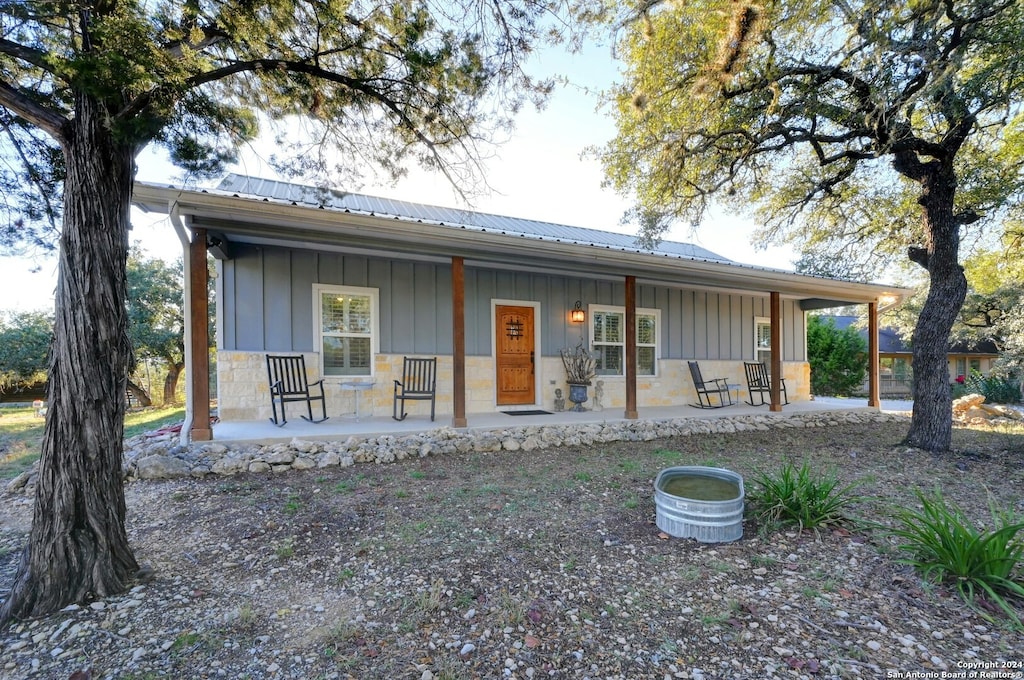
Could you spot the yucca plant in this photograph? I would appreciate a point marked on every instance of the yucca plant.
(945, 547)
(800, 497)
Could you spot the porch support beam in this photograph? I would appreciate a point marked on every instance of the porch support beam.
(631, 412)
(874, 382)
(458, 342)
(199, 314)
(776, 368)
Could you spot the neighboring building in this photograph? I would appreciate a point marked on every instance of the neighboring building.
(355, 283)
(895, 357)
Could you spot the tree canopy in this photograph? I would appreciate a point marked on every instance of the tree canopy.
(24, 346)
(156, 318)
(381, 84)
(993, 309)
(351, 85)
(868, 128)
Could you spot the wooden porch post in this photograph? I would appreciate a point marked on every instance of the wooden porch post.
(631, 411)
(458, 342)
(199, 371)
(874, 386)
(776, 386)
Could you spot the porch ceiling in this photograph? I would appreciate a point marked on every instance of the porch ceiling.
(244, 219)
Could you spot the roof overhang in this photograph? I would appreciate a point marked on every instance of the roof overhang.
(232, 218)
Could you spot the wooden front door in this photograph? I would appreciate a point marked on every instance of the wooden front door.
(514, 359)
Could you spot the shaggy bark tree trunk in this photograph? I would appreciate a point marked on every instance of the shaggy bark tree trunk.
(78, 547)
(931, 425)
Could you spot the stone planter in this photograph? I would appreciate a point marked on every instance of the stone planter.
(577, 395)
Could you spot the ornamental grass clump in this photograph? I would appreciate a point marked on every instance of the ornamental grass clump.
(944, 547)
(796, 496)
(580, 364)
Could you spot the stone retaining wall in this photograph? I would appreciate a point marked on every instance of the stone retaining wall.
(162, 458)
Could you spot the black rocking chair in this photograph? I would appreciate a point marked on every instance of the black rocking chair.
(419, 382)
(715, 387)
(759, 383)
(288, 383)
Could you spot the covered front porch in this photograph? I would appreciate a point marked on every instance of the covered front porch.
(341, 427)
(420, 283)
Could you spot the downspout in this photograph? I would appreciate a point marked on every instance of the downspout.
(179, 229)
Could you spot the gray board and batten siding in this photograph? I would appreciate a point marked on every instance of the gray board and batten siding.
(267, 306)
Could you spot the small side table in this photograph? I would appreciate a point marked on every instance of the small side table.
(358, 388)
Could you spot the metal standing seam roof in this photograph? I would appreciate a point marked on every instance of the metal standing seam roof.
(500, 237)
(374, 205)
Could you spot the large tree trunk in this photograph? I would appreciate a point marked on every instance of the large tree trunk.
(171, 383)
(140, 395)
(78, 547)
(931, 426)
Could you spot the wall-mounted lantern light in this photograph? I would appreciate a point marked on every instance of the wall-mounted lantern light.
(578, 315)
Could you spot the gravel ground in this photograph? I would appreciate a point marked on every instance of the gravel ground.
(538, 565)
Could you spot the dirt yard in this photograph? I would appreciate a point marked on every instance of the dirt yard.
(545, 564)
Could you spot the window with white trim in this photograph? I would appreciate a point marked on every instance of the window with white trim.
(763, 340)
(608, 328)
(347, 329)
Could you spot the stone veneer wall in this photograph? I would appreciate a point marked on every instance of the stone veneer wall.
(673, 386)
(243, 392)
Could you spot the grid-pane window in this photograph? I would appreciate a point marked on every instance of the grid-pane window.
(609, 359)
(609, 326)
(646, 343)
(645, 360)
(763, 341)
(609, 343)
(347, 329)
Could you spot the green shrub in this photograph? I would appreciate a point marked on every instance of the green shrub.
(945, 548)
(838, 358)
(796, 496)
(995, 389)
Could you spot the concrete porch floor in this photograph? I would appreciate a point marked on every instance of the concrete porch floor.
(344, 426)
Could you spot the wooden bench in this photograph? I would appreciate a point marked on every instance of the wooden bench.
(288, 383)
(419, 382)
(714, 387)
(759, 383)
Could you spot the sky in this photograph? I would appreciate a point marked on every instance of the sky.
(538, 173)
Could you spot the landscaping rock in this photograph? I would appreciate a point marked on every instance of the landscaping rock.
(157, 466)
(162, 457)
(972, 408)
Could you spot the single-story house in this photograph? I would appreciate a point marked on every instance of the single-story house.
(355, 283)
(895, 357)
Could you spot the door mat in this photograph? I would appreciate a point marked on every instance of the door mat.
(527, 413)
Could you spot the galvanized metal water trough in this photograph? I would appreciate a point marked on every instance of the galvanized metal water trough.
(708, 521)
